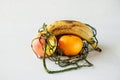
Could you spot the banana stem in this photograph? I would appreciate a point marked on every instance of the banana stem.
(98, 49)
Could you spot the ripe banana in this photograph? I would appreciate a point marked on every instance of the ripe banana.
(77, 28)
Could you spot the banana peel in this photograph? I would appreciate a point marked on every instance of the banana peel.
(84, 31)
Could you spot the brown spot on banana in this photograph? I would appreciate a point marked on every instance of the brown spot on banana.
(68, 21)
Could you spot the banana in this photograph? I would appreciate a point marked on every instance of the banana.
(77, 28)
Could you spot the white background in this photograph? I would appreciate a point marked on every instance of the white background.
(20, 20)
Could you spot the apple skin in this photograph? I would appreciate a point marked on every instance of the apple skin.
(37, 46)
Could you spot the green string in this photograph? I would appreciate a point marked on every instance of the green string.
(64, 63)
(65, 69)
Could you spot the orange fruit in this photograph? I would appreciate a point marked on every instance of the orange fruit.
(70, 45)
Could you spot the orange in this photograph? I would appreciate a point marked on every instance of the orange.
(70, 45)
